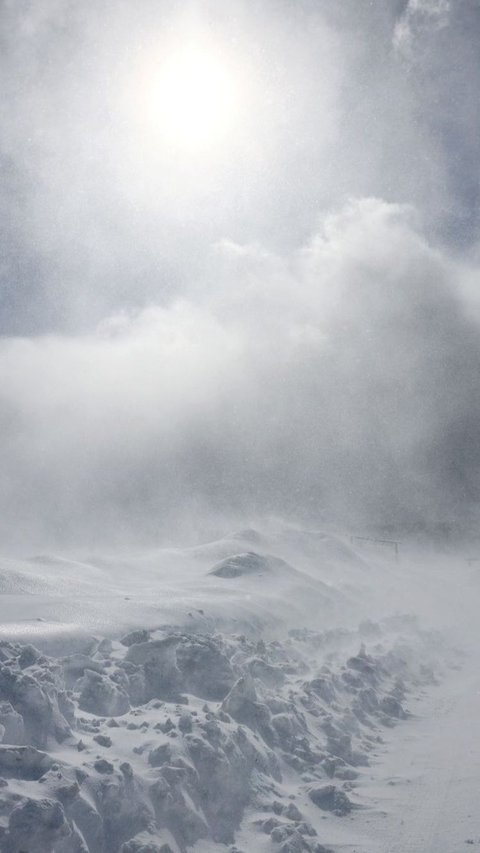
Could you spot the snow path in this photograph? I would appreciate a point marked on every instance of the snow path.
(423, 795)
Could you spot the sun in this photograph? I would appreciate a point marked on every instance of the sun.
(193, 100)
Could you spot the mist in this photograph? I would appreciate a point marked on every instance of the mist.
(340, 381)
(285, 325)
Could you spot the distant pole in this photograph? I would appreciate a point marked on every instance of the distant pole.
(393, 543)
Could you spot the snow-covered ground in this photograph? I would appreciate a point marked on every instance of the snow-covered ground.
(424, 792)
(279, 691)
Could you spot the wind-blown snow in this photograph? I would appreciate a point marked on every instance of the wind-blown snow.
(211, 696)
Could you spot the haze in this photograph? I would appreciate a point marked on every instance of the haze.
(279, 318)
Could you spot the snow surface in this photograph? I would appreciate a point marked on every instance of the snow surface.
(282, 691)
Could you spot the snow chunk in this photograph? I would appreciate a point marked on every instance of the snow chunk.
(23, 762)
(12, 723)
(331, 799)
(100, 695)
(205, 669)
(36, 825)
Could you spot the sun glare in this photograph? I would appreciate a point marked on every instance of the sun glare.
(193, 99)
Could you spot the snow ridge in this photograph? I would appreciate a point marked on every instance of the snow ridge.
(168, 739)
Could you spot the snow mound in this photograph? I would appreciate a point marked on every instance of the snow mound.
(314, 581)
(14, 582)
(249, 535)
(249, 563)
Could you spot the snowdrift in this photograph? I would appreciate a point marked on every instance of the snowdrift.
(229, 695)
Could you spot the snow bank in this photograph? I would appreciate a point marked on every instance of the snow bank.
(169, 739)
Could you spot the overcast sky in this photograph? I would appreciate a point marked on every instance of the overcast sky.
(280, 320)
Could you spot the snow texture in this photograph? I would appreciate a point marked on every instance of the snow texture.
(247, 722)
(155, 745)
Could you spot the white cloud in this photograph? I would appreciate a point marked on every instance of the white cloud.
(344, 376)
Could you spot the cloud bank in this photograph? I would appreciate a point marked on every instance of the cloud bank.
(339, 380)
(196, 340)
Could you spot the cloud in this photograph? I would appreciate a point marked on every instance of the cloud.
(103, 215)
(341, 378)
(219, 344)
(418, 20)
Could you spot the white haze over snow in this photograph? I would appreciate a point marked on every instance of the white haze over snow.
(341, 379)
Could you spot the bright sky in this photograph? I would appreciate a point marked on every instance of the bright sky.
(136, 136)
(239, 265)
